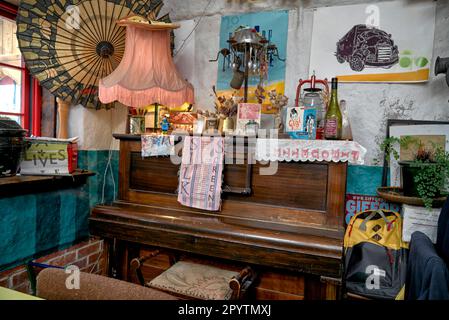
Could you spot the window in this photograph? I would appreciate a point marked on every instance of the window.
(20, 94)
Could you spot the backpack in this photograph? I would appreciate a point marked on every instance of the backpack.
(375, 255)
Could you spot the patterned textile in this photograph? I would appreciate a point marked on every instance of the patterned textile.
(195, 280)
(201, 171)
(310, 150)
(157, 145)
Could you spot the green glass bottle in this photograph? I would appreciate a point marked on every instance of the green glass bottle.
(334, 120)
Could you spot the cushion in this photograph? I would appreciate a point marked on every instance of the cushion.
(195, 280)
(51, 285)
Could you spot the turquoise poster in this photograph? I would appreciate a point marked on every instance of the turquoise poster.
(273, 25)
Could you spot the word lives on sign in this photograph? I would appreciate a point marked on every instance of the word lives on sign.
(48, 156)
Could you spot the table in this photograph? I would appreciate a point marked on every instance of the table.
(8, 294)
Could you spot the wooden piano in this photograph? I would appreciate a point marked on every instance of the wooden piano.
(288, 226)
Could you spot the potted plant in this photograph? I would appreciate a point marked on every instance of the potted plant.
(425, 176)
(226, 109)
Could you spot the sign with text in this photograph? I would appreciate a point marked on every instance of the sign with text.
(50, 157)
(356, 203)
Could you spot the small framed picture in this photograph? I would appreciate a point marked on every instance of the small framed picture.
(248, 113)
(301, 123)
(294, 121)
(210, 124)
(430, 134)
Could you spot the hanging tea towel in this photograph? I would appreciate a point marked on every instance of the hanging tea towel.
(157, 145)
(200, 176)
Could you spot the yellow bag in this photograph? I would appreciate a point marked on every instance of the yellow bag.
(375, 255)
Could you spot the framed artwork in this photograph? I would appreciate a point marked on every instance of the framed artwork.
(301, 123)
(430, 134)
(389, 41)
(274, 26)
(247, 112)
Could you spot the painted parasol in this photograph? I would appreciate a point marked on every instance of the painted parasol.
(68, 45)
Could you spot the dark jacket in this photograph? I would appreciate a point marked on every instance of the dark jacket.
(442, 244)
(427, 274)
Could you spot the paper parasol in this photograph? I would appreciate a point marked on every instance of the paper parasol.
(68, 45)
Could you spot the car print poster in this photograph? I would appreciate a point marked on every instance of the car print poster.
(381, 42)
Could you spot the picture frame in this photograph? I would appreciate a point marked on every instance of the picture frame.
(301, 123)
(247, 112)
(399, 128)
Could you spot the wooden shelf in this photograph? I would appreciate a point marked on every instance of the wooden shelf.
(25, 184)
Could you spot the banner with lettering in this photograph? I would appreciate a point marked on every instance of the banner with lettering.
(356, 203)
(309, 150)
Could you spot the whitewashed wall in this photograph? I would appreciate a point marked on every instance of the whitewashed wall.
(369, 104)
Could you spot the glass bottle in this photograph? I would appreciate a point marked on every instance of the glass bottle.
(346, 132)
(333, 125)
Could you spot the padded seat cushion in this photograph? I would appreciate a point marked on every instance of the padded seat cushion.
(51, 285)
(195, 280)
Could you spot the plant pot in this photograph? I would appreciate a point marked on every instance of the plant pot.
(408, 172)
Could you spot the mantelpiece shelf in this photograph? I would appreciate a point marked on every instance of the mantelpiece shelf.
(24, 184)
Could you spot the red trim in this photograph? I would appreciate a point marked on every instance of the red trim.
(26, 87)
(11, 113)
(8, 10)
(72, 156)
(37, 108)
(11, 66)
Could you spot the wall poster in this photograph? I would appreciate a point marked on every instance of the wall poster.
(381, 42)
(356, 203)
(271, 24)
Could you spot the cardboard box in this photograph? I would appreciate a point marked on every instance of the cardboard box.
(420, 219)
(48, 156)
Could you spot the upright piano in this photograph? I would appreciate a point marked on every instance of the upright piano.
(288, 226)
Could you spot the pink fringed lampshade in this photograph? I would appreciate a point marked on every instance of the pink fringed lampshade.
(147, 73)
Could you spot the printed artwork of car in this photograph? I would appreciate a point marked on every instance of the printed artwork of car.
(367, 46)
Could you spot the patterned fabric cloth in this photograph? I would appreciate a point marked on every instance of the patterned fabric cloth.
(201, 171)
(310, 150)
(157, 145)
(195, 280)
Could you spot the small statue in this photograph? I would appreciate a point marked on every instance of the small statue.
(165, 125)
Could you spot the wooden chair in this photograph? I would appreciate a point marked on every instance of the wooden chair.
(190, 280)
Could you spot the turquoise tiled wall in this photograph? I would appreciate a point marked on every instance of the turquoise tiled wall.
(363, 179)
(97, 162)
(36, 224)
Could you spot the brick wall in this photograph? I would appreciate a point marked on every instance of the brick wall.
(89, 256)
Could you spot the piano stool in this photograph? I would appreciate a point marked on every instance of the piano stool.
(192, 280)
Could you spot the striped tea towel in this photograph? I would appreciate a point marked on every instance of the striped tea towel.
(200, 176)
